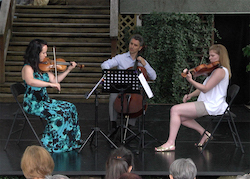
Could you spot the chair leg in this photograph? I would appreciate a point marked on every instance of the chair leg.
(234, 132)
(33, 130)
(21, 133)
(11, 129)
(126, 129)
(212, 133)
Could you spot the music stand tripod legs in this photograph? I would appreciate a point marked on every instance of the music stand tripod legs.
(143, 131)
(121, 81)
(96, 129)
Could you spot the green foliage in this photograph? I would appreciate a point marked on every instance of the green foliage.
(174, 42)
(246, 52)
(12, 177)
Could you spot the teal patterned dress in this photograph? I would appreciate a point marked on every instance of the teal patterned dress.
(62, 132)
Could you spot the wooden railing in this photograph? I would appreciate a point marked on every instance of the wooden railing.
(6, 13)
(114, 7)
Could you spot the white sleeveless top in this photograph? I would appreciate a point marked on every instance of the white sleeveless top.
(215, 99)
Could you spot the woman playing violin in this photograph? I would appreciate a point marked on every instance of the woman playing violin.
(62, 132)
(212, 99)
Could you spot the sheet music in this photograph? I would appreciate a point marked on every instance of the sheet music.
(145, 85)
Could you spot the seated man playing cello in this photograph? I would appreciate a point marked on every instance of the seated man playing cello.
(125, 61)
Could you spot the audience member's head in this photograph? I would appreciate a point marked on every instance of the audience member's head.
(56, 177)
(121, 160)
(246, 176)
(36, 162)
(182, 169)
(128, 175)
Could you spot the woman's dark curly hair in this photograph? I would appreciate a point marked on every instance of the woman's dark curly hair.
(32, 52)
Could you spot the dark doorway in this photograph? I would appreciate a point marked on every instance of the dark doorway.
(234, 33)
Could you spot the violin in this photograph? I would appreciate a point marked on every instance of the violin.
(203, 69)
(61, 65)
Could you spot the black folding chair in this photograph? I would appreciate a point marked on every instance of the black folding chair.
(16, 90)
(227, 115)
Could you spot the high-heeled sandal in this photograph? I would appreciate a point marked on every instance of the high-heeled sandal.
(165, 149)
(208, 136)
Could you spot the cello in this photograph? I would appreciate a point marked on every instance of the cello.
(133, 103)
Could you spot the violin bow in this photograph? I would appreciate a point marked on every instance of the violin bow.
(191, 86)
(54, 53)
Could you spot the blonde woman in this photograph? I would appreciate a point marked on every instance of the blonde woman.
(36, 162)
(212, 99)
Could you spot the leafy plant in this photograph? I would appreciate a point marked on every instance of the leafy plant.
(246, 52)
(174, 42)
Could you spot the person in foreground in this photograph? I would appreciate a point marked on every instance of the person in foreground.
(62, 132)
(183, 169)
(245, 176)
(121, 160)
(212, 99)
(128, 175)
(125, 61)
(37, 163)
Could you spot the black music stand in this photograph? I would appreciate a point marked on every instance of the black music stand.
(96, 129)
(121, 81)
(143, 131)
(142, 82)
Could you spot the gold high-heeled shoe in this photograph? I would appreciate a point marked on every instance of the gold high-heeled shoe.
(208, 136)
(165, 149)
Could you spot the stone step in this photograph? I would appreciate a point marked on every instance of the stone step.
(61, 34)
(72, 74)
(65, 47)
(73, 80)
(57, 9)
(64, 27)
(80, 59)
(84, 39)
(58, 16)
(71, 49)
(62, 39)
(9, 68)
(66, 54)
(60, 25)
(64, 20)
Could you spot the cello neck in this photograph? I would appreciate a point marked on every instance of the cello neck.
(136, 64)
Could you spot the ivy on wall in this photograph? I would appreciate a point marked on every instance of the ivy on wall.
(174, 42)
(246, 52)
